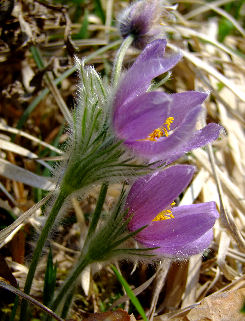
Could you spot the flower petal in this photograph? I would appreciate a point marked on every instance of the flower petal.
(189, 224)
(181, 250)
(147, 66)
(200, 138)
(182, 103)
(140, 116)
(151, 194)
(161, 149)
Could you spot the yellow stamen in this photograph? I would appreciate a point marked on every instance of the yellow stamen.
(165, 214)
(168, 122)
(161, 131)
(166, 132)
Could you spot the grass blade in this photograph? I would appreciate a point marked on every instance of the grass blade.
(130, 293)
(49, 280)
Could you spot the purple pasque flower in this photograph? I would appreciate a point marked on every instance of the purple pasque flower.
(142, 21)
(156, 125)
(178, 231)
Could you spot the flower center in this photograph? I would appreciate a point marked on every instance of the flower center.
(161, 131)
(165, 214)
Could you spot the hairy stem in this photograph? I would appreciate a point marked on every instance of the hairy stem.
(69, 282)
(119, 58)
(39, 247)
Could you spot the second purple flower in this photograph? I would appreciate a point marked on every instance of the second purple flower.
(179, 231)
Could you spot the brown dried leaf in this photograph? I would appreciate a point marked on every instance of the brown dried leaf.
(175, 285)
(17, 247)
(118, 315)
(224, 306)
(5, 272)
(219, 307)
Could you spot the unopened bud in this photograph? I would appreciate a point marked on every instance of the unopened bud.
(142, 20)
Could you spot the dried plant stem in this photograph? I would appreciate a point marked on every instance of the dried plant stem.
(58, 98)
(215, 7)
(28, 136)
(224, 244)
(109, 13)
(194, 267)
(215, 93)
(210, 70)
(51, 85)
(7, 231)
(30, 299)
(39, 247)
(161, 274)
(226, 219)
(205, 7)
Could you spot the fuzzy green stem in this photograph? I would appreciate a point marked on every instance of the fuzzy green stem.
(119, 58)
(84, 260)
(69, 282)
(39, 247)
(98, 209)
(67, 303)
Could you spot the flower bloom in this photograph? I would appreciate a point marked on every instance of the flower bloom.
(177, 231)
(156, 125)
(142, 21)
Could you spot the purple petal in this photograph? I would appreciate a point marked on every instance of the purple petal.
(204, 136)
(182, 250)
(201, 138)
(147, 66)
(182, 103)
(189, 224)
(140, 116)
(151, 194)
(161, 149)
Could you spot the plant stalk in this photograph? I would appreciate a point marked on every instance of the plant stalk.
(96, 215)
(39, 247)
(119, 58)
(69, 282)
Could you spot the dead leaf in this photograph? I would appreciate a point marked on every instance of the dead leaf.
(224, 306)
(6, 273)
(6, 276)
(118, 315)
(219, 307)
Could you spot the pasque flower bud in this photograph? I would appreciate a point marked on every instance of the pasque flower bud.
(142, 21)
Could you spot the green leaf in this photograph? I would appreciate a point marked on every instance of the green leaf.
(14, 309)
(30, 108)
(127, 236)
(243, 309)
(225, 28)
(130, 293)
(37, 57)
(99, 10)
(49, 280)
(83, 32)
(98, 210)
(67, 304)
